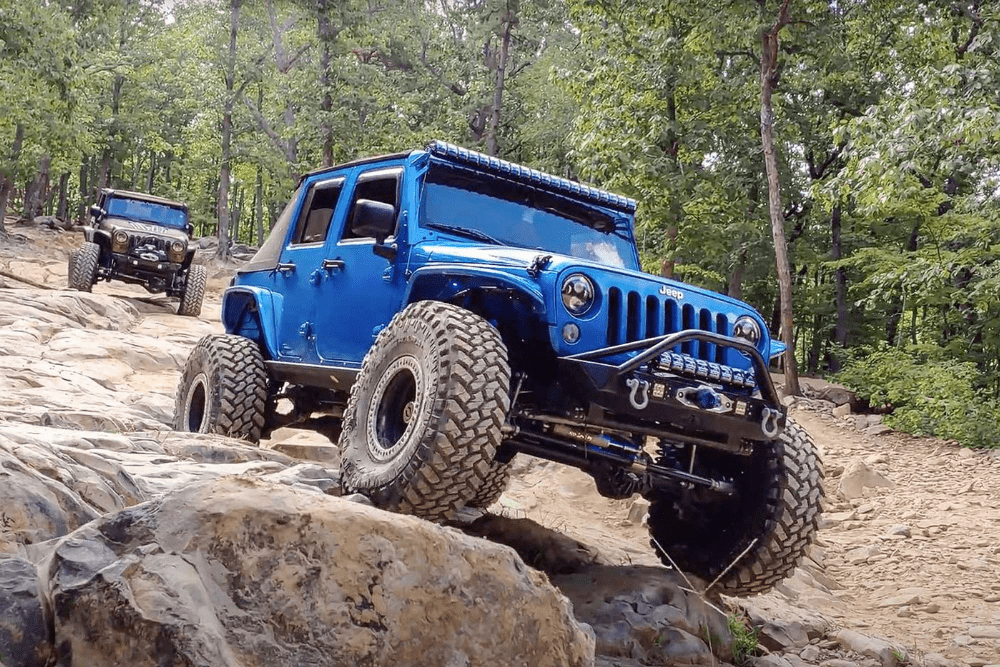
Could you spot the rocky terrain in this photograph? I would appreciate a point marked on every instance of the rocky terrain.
(122, 542)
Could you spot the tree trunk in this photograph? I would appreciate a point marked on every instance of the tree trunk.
(62, 209)
(326, 105)
(227, 132)
(7, 177)
(492, 143)
(151, 175)
(81, 207)
(259, 207)
(840, 287)
(735, 288)
(768, 81)
(34, 194)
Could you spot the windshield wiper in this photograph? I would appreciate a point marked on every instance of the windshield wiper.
(464, 231)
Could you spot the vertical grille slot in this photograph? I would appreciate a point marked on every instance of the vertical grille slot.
(707, 351)
(670, 320)
(616, 322)
(687, 322)
(722, 327)
(653, 318)
(634, 317)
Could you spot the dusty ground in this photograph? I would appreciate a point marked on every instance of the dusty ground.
(917, 562)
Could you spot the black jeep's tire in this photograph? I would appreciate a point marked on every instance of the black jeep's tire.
(778, 502)
(223, 388)
(423, 422)
(194, 291)
(83, 266)
(493, 486)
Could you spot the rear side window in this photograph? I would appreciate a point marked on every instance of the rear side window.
(314, 221)
(381, 186)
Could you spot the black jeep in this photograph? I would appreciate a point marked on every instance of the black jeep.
(141, 239)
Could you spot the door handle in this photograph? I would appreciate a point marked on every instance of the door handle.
(285, 267)
(333, 264)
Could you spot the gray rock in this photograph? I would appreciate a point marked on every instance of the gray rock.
(838, 662)
(984, 632)
(781, 637)
(842, 410)
(24, 626)
(857, 477)
(540, 547)
(771, 660)
(900, 529)
(810, 653)
(239, 571)
(877, 429)
(879, 649)
(631, 610)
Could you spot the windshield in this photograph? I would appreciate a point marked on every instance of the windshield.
(145, 211)
(488, 209)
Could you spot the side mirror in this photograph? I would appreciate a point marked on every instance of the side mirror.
(373, 218)
(96, 212)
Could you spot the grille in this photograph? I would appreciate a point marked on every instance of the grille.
(633, 316)
(154, 241)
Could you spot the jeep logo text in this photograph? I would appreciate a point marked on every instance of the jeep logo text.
(671, 292)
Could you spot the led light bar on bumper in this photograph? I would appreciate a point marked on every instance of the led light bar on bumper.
(686, 365)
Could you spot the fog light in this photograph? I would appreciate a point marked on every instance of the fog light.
(571, 332)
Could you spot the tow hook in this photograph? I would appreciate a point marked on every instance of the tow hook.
(638, 386)
(769, 422)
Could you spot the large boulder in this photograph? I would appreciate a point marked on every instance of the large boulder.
(244, 572)
(24, 627)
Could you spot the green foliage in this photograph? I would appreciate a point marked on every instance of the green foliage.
(928, 392)
(744, 640)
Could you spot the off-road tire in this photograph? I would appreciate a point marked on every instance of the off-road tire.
(83, 266)
(493, 486)
(778, 501)
(194, 291)
(223, 388)
(423, 422)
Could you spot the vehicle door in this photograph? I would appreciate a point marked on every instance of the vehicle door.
(362, 290)
(299, 272)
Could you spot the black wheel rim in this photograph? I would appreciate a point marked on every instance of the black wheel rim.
(197, 405)
(394, 408)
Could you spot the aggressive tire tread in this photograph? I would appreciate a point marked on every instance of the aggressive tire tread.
(465, 362)
(236, 392)
(194, 291)
(83, 266)
(790, 509)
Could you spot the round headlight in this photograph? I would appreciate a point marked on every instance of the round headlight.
(747, 328)
(120, 237)
(577, 294)
(177, 247)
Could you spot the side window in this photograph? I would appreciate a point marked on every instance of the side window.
(314, 221)
(381, 186)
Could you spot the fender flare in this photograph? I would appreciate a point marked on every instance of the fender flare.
(440, 281)
(238, 302)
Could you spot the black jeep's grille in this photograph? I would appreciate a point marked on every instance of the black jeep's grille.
(633, 316)
(139, 241)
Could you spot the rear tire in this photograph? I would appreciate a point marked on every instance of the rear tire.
(223, 389)
(778, 503)
(194, 291)
(83, 266)
(424, 419)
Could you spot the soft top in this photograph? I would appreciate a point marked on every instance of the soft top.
(142, 196)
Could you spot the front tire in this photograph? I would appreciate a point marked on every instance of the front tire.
(424, 419)
(223, 389)
(83, 266)
(194, 291)
(493, 486)
(778, 502)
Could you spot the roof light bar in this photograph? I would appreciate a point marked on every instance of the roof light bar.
(529, 176)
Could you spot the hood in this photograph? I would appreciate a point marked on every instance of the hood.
(134, 227)
(512, 257)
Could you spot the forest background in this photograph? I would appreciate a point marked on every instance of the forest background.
(886, 124)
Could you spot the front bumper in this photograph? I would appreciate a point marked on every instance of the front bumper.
(660, 392)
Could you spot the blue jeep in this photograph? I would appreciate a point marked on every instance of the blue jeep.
(449, 310)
